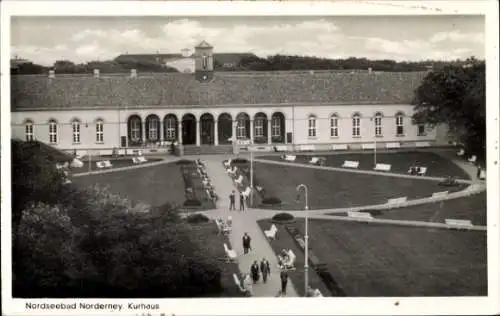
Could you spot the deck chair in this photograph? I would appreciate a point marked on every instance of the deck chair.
(314, 160)
(230, 254)
(472, 159)
(142, 159)
(247, 192)
(76, 163)
(100, 165)
(135, 160)
(290, 158)
(227, 163)
(271, 233)
(422, 171)
(239, 180)
(461, 152)
(107, 164)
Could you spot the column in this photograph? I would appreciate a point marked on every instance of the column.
(161, 131)
(144, 133)
(197, 133)
(179, 133)
(269, 132)
(233, 132)
(251, 132)
(216, 132)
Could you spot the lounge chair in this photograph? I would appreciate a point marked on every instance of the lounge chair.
(135, 160)
(314, 160)
(107, 164)
(271, 233)
(461, 152)
(231, 255)
(142, 159)
(100, 165)
(472, 159)
(239, 180)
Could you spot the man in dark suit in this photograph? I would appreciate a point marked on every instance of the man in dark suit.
(242, 202)
(265, 268)
(246, 243)
(232, 202)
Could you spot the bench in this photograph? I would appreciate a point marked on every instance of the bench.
(142, 159)
(382, 167)
(422, 144)
(307, 148)
(340, 147)
(290, 158)
(392, 145)
(361, 215)
(107, 164)
(317, 161)
(100, 165)
(458, 223)
(439, 194)
(351, 164)
(368, 146)
(281, 148)
(397, 200)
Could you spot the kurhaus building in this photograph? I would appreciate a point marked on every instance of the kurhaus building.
(209, 111)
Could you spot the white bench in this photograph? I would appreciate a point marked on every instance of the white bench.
(382, 167)
(397, 200)
(227, 163)
(314, 160)
(281, 148)
(232, 171)
(351, 164)
(392, 145)
(458, 223)
(247, 192)
(368, 146)
(307, 148)
(472, 159)
(340, 147)
(107, 164)
(231, 255)
(100, 165)
(439, 194)
(142, 159)
(422, 144)
(482, 175)
(271, 233)
(290, 158)
(239, 180)
(461, 152)
(361, 215)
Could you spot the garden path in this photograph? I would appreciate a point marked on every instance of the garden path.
(244, 221)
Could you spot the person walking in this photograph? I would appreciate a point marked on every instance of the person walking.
(246, 243)
(478, 174)
(254, 270)
(284, 281)
(265, 268)
(242, 202)
(232, 206)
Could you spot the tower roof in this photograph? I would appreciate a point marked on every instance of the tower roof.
(204, 44)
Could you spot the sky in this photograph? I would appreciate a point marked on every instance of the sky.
(44, 40)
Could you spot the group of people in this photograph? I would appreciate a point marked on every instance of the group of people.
(232, 201)
(415, 170)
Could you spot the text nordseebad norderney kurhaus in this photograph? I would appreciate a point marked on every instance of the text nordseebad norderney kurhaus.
(90, 306)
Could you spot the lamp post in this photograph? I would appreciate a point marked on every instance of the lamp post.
(306, 237)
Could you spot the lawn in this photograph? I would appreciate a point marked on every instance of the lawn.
(337, 189)
(155, 185)
(382, 260)
(437, 166)
(471, 208)
(117, 163)
(206, 236)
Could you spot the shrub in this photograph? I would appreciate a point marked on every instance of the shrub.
(192, 203)
(272, 200)
(239, 160)
(185, 162)
(197, 218)
(283, 218)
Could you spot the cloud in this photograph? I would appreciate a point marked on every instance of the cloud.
(457, 37)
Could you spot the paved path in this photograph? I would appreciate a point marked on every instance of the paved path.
(244, 222)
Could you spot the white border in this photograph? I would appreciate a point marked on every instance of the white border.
(272, 306)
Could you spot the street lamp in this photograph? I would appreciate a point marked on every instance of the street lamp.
(306, 236)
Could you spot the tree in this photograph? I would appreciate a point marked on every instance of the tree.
(456, 96)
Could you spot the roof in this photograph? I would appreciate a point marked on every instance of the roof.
(29, 92)
(223, 58)
(204, 44)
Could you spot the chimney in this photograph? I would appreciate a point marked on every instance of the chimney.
(369, 70)
(96, 73)
(133, 73)
(52, 74)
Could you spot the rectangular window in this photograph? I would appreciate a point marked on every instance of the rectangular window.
(399, 125)
(53, 133)
(334, 127)
(259, 127)
(378, 126)
(356, 126)
(276, 127)
(76, 132)
(241, 129)
(421, 130)
(312, 127)
(99, 132)
(29, 132)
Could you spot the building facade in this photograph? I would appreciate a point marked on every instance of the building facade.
(207, 109)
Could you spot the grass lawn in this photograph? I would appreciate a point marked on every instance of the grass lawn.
(336, 189)
(206, 235)
(383, 260)
(437, 166)
(472, 208)
(155, 185)
(118, 163)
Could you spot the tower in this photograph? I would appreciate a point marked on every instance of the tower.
(204, 62)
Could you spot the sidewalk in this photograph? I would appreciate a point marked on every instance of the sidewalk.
(244, 222)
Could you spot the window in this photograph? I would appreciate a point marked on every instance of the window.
(99, 131)
(399, 125)
(311, 129)
(334, 126)
(356, 125)
(276, 126)
(259, 127)
(170, 127)
(153, 128)
(378, 125)
(76, 131)
(421, 130)
(29, 131)
(241, 128)
(135, 129)
(53, 132)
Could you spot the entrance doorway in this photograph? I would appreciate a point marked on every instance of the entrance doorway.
(225, 128)
(189, 129)
(207, 129)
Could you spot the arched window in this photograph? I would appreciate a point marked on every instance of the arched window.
(259, 126)
(356, 125)
(334, 126)
(29, 131)
(378, 125)
(135, 129)
(399, 124)
(170, 123)
(153, 128)
(275, 126)
(241, 131)
(76, 131)
(311, 126)
(53, 132)
(99, 131)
